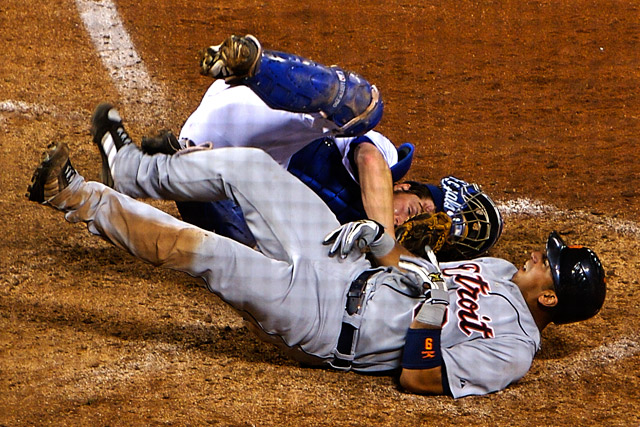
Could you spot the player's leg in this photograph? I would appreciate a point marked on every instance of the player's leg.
(285, 81)
(349, 102)
(237, 117)
(281, 299)
(283, 214)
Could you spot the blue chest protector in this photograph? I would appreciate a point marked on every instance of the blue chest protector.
(319, 166)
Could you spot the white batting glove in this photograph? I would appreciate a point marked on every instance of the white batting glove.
(362, 234)
(417, 270)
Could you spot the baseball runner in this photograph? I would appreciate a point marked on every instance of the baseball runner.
(459, 328)
(316, 121)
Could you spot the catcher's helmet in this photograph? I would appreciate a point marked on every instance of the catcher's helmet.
(578, 278)
(476, 221)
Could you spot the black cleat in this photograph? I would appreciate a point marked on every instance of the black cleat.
(53, 174)
(110, 136)
(234, 59)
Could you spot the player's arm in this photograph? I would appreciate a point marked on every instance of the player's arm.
(422, 355)
(392, 258)
(422, 381)
(376, 184)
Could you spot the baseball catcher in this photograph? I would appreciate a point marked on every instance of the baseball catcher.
(317, 122)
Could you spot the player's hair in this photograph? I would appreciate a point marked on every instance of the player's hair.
(418, 189)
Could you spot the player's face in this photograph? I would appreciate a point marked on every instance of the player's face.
(407, 205)
(534, 273)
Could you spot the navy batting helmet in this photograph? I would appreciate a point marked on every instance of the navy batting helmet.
(578, 278)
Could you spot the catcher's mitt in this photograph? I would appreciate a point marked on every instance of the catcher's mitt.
(425, 229)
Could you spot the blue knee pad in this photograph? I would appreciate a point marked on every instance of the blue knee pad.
(290, 82)
(223, 217)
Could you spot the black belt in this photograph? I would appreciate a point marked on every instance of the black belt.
(355, 298)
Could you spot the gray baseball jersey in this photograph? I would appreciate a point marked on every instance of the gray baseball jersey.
(290, 289)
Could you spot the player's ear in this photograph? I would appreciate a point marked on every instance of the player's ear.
(548, 298)
(402, 187)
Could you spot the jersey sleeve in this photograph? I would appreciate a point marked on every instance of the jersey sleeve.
(383, 144)
(484, 366)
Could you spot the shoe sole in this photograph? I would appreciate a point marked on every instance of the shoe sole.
(55, 158)
(256, 60)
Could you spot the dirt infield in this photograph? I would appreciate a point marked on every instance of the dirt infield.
(536, 100)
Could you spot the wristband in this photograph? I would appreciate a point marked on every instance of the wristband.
(383, 245)
(434, 308)
(422, 349)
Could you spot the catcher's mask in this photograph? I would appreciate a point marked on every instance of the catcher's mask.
(578, 278)
(476, 221)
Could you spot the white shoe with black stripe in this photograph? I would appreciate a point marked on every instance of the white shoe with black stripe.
(110, 136)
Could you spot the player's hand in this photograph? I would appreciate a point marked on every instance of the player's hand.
(359, 234)
(417, 272)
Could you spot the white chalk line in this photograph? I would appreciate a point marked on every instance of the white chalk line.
(21, 107)
(118, 54)
(524, 206)
(12, 107)
(622, 348)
